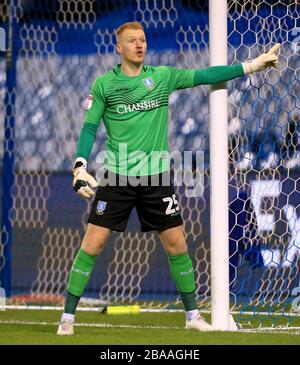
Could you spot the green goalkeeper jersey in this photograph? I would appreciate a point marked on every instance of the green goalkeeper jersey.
(134, 110)
(135, 115)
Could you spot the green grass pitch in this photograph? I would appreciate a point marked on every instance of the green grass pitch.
(39, 328)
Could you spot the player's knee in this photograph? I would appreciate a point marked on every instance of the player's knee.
(176, 246)
(94, 239)
(173, 249)
(92, 247)
(173, 241)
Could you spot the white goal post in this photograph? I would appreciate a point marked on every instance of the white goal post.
(218, 109)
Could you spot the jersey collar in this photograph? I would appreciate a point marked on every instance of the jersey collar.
(117, 69)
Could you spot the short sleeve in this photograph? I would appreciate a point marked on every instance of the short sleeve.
(95, 104)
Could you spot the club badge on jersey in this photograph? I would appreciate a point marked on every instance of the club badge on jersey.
(101, 207)
(89, 102)
(148, 82)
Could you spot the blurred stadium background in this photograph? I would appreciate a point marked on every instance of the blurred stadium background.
(59, 47)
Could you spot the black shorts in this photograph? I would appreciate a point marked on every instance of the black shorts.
(156, 206)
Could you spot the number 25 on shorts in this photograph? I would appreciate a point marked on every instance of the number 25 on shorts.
(173, 205)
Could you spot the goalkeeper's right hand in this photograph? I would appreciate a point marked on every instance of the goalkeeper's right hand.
(82, 181)
(265, 60)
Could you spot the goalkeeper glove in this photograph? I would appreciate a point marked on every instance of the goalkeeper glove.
(265, 60)
(82, 181)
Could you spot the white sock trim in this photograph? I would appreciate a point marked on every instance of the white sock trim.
(68, 317)
(190, 315)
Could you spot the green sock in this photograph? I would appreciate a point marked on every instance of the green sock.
(79, 276)
(189, 301)
(183, 274)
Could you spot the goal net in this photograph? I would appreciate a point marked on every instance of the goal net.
(60, 47)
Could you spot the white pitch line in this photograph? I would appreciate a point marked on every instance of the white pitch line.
(151, 310)
(286, 331)
(291, 330)
(98, 325)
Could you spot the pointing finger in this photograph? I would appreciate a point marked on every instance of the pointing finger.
(274, 49)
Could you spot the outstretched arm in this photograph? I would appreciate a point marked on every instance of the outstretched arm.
(265, 60)
(217, 74)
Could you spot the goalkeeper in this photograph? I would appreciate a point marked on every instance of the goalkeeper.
(132, 100)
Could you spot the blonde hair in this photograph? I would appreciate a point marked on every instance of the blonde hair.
(129, 25)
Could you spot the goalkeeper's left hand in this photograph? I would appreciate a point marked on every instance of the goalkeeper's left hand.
(82, 180)
(265, 60)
